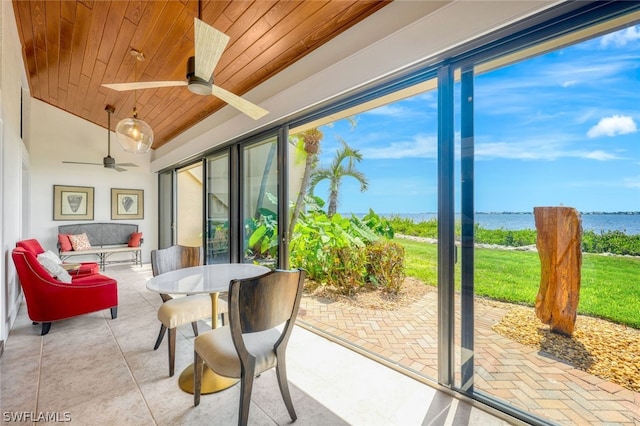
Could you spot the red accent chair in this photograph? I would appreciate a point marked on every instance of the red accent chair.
(86, 268)
(50, 300)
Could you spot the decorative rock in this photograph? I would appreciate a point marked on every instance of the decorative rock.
(559, 246)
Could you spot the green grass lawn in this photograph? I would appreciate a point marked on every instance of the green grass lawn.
(610, 285)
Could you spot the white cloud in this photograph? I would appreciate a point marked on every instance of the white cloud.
(569, 83)
(612, 126)
(539, 149)
(600, 155)
(632, 182)
(422, 146)
(622, 37)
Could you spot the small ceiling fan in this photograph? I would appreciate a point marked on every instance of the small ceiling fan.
(209, 45)
(108, 162)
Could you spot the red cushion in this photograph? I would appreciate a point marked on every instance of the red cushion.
(65, 244)
(32, 246)
(134, 239)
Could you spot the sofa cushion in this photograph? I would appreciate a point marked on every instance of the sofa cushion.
(54, 268)
(80, 242)
(65, 243)
(134, 239)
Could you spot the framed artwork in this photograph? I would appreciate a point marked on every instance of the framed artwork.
(127, 203)
(72, 202)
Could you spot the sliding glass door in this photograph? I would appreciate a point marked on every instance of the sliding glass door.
(259, 201)
(218, 208)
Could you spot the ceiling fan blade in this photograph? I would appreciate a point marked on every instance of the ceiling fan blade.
(209, 45)
(121, 87)
(119, 169)
(82, 162)
(252, 110)
(126, 165)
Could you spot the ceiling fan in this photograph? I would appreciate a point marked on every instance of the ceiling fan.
(209, 45)
(108, 162)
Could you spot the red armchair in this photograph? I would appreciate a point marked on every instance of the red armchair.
(86, 268)
(50, 300)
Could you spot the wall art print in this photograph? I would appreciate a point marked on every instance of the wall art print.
(72, 202)
(127, 203)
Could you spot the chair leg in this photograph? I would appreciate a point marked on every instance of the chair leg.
(194, 325)
(46, 326)
(283, 383)
(198, 365)
(172, 350)
(246, 385)
(114, 312)
(163, 330)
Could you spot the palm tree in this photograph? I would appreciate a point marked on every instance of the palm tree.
(336, 171)
(309, 143)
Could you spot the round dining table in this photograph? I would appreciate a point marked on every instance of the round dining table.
(212, 279)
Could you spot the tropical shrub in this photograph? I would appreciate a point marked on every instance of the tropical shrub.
(262, 235)
(333, 249)
(385, 265)
(347, 270)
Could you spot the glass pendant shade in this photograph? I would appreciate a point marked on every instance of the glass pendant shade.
(134, 135)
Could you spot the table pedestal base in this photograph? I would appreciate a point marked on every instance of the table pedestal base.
(211, 382)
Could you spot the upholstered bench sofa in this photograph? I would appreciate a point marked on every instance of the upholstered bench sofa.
(102, 240)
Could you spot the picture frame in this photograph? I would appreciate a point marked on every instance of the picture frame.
(127, 204)
(73, 202)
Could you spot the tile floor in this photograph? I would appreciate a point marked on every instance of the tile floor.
(92, 370)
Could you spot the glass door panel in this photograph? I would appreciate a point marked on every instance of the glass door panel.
(259, 202)
(548, 130)
(165, 209)
(218, 209)
(189, 206)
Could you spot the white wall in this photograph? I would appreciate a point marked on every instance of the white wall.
(12, 157)
(58, 136)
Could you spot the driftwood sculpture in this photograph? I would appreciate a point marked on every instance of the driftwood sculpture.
(559, 246)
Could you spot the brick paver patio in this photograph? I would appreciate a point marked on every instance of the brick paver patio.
(517, 374)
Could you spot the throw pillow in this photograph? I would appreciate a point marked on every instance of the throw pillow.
(54, 268)
(65, 244)
(51, 255)
(80, 242)
(134, 239)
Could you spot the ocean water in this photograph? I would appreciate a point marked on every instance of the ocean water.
(627, 223)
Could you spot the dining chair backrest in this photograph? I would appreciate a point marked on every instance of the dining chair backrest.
(264, 302)
(175, 257)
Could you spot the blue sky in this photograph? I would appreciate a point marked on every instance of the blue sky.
(557, 129)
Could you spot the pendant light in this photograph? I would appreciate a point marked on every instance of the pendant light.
(133, 134)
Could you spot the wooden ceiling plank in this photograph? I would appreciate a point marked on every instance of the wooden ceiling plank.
(252, 25)
(213, 10)
(95, 80)
(64, 63)
(305, 11)
(134, 10)
(113, 24)
(95, 35)
(23, 21)
(68, 10)
(52, 10)
(78, 42)
(173, 50)
(264, 54)
(120, 52)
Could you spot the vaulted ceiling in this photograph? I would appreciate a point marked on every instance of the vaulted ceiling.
(71, 48)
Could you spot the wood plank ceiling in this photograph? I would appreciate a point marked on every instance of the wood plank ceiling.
(70, 48)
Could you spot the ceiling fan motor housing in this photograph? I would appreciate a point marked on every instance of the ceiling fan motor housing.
(109, 162)
(196, 84)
